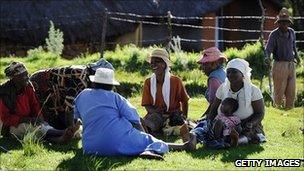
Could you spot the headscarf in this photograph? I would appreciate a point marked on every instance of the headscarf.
(8, 91)
(160, 53)
(243, 67)
(14, 69)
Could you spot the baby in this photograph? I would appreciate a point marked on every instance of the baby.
(225, 122)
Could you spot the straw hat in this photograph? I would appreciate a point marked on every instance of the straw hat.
(104, 76)
(160, 53)
(283, 16)
(211, 55)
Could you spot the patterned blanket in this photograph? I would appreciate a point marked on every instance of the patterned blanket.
(56, 89)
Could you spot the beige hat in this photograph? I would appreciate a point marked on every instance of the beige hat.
(104, 76)
(283, 16)
(160, 53)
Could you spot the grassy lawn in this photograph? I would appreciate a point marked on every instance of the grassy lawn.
(282, 129)
(285, 140)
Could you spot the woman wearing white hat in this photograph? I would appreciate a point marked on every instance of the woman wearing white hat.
(164, 96)
(251, 104)
(111, 124)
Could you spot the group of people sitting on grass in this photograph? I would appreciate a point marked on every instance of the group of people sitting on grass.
(58, 101)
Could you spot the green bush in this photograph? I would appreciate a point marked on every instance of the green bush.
(300, 99)
(254, 55)
(55, 40)
(195, 89)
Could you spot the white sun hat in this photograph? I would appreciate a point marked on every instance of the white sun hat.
(104, 76)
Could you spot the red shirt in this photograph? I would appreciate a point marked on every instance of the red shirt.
(27, 105)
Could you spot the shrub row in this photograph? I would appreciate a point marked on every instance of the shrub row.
(194, 89)
(133, 59)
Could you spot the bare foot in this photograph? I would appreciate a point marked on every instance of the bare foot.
(191, 144)
(184, 132)
(234, 136)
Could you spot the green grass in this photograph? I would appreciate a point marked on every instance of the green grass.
(282, 129)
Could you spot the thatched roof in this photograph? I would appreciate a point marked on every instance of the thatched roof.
(27, 22)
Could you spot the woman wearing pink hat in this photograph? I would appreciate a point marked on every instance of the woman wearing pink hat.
(211, 63)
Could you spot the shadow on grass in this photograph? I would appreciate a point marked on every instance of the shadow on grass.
(228, 155)
(171, 138)
(9, 143)
(71, 146)
(89, 162)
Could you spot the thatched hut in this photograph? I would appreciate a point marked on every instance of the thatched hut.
(25, 24)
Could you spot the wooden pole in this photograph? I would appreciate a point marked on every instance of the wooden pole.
(140, 37)
(263, 47)
(104, 32)
(169, 17)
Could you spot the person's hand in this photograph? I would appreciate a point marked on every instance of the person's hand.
(248, 126)
(32, 120)
(160, 110)
(38, 121)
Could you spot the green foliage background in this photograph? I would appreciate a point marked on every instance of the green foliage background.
(132, 68)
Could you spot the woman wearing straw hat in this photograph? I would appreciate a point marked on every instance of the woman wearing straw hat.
(111, 124)
(282, 45)
(164, 97)
(211, 63)
(20, 110)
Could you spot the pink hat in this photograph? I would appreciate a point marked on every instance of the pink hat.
(211, 55)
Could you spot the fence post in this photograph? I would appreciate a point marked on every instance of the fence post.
(104, 31)
(140, 37)
(265, 54)
(169, 17)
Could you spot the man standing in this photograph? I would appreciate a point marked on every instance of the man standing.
(281, 44)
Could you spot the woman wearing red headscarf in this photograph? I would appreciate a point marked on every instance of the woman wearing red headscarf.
(20, 110)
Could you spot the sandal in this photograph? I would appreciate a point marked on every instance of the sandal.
(151, 155)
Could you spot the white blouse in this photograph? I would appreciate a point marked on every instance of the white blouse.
(242, 112)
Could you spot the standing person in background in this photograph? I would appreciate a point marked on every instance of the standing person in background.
(282, 45)
(211, 63)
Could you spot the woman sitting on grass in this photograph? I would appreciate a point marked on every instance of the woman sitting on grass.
(250, 110)
(164, 97)
(20, 110)
(211, 63)
(111, 125)
(251, 104)
(57, 88)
